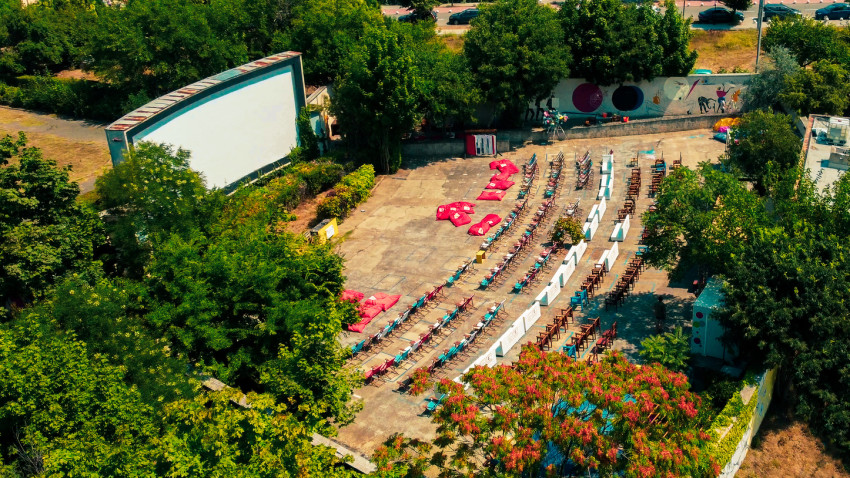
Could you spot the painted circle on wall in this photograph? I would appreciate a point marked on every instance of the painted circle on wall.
(699, 315)
(587, 97)
(627, 98)
(676, 88)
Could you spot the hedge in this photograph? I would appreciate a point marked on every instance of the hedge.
(722, 450)
(353, 189)
(273, 201)
(69, 97)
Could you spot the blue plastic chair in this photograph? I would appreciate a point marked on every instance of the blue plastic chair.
(358, 347)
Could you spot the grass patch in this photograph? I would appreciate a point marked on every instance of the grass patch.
(725, 50)
(453, 41)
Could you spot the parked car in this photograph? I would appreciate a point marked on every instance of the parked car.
(777, 10)
(720, 15)
(413, 17)
(464, 17)
(836, 11)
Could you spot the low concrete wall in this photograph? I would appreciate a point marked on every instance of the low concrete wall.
(507, 138)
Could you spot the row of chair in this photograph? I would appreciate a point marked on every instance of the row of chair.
(510, 222)
(511, 258)
(580, 339)
(584, 171)
(382, 369)
(659, 170)
(529, 174)
(464, 347)
(540, 264)
(554, 176)
(603, 343)
(634, 184)
(553, 330)
(593, 281)
(626, 283)
(421, 304)
(467, 266)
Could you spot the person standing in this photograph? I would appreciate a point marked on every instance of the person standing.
(660, 309)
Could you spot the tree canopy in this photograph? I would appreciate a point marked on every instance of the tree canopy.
(516, 53)
(44, 233)
(764, 148)
(808, 40)
(549, 412)
(377, 100)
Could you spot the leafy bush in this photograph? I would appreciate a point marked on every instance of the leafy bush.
(670, 349)
(78, 98)
(353, 189)
(567, 228)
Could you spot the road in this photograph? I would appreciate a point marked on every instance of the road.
(692, 9)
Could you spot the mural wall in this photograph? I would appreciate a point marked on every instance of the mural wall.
(690, 95)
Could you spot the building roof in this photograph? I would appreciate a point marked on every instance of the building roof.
(167, 101)
(818, 153)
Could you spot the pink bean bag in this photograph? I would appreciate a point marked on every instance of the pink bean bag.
(492, 219)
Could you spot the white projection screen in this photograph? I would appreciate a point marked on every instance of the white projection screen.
(236, 124)
(235, 131)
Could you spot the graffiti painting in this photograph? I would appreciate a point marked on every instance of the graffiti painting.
(691, 95)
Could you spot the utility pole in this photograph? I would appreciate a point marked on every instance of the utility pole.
(758, 43)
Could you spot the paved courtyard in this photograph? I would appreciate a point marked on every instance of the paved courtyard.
(393, 244)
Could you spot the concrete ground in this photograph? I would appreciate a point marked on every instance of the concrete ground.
(393, 244)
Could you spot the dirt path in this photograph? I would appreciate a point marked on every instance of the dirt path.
(79, 144)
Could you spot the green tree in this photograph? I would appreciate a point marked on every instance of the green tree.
(106, 315)
(674, 36)
(328, 31)
(550, 414)
(44, 233)
(516, 53)
(66, 413)
(702, 220)
(152, 193)
(822, 89)
(765, 147)
(808, 40)
(257, 309)
(567, 228)
(449, 92)
(377, 99)
(210, 436)
(421, 7)
(157, 46)
(763, 90)
(614, 42)
(670, 349)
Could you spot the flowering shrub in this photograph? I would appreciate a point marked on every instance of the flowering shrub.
(549, 413)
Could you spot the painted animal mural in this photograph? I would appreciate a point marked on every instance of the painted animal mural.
(691, 95)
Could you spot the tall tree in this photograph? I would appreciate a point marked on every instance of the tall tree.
(377, 100)
(327, 31)
(548, 414)
(152, 193)
(674, 36)
(822, 89)
(763, 91)
(44, 233)
(808, 39)
(516, 53)
(702, 220)
(765, 147)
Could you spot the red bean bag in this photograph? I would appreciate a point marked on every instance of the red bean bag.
(386, 301)
(460, 218)
(501, 176)
(443, 213)
(491, 196)
(504, 165)
(466, 207)
(479, 229)
(492, 219)
(499, 185)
